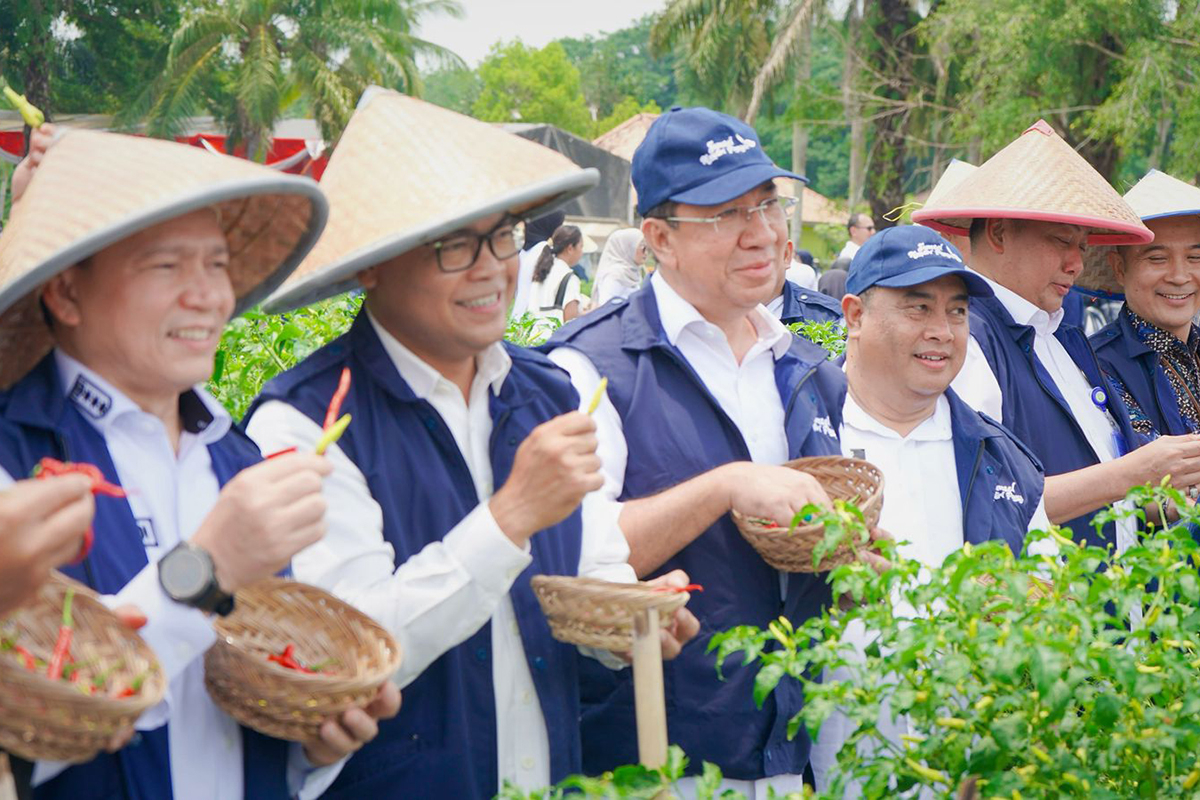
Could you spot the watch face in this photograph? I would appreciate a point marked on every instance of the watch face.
(184, 574)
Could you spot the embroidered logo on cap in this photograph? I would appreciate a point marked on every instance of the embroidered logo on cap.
(822, 425)
(925, 249)
(94, 401)
(726, 146)
(1009, 493)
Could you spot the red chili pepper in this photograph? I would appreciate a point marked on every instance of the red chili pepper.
(287, 660)
(30, 661)
(691, 587)
(133, 688)
(126, 692)
(49, 467)
(62, 646)
(339, 395)
(282, 452)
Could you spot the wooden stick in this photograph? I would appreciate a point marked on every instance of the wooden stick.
(649, 702)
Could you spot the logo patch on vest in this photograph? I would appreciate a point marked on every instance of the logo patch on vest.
(93, 400)
(1009, 493)
(149, 537)
(822, 425)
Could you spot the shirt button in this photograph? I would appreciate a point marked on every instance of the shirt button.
(516, 629)
(526, 763)
(527, 697)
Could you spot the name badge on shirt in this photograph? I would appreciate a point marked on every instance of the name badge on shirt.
(93, 400)
(149, 537)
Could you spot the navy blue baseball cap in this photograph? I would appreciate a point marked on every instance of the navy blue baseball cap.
(700, 157)
(908, 255)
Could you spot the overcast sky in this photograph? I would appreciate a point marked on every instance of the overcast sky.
(535, 22)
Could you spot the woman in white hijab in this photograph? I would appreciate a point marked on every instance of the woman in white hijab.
(620, 269)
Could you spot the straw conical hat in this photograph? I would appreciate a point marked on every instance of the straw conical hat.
(1038, 177)
(955, 173)
(94, 189)
(1155, 196)
(407, 172)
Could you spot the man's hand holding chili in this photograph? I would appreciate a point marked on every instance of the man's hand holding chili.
(263, 517)
(39, 142)
(42, 526)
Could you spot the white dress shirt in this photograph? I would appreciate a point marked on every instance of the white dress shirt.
(976, 384)
(922, 509)
(849, 250)
(745, 391)
(802, 275)
(543, 293)
(441, 596)
(170, 494)
(527, 260)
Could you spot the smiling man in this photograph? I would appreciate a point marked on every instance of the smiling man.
(1031, 211)
(708, 394)
(464, 469)
(1150, 351)
(124, 259)
(952, 475)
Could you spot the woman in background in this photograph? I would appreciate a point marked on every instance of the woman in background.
(620, 269)
(556, 290)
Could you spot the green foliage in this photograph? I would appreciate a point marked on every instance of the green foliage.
(621, 64)
(256, 347)
(247, 61)
(524, 84)
(530, 331)
(1029, 695)
(628, 107)
(830, 335)
(456, 88)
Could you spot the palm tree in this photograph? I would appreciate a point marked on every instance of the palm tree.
(248, 61)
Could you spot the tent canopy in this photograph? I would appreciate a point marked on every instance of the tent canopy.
(609, 200)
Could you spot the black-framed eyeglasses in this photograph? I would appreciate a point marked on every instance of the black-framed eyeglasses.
(459, 252)
(734, 220)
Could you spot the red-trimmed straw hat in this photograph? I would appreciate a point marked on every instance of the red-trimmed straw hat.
(1040, 177)
(406, 173)
(94, 189)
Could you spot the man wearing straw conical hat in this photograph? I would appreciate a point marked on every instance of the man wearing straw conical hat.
(708, 394)
(462, 472)
(122, 263)
(1031, 211)
(1150, 351)
(952, 476)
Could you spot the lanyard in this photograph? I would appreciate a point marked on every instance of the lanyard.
(1100, 401)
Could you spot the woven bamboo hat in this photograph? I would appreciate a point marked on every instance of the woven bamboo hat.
(955, 173)
(407, 172)
(94, 189)
(1155, 196)
(1039, 177)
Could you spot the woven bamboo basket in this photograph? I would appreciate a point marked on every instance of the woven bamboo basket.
(596, 613)
(850, 479)
(285, 703)
(55, 720)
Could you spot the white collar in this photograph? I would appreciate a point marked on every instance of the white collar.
(102, 404)
(676, 314)
(492, 364)
(934, 428)
(1025, 312)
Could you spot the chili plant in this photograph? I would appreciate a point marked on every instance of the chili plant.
(1020, 694)
(830, 335)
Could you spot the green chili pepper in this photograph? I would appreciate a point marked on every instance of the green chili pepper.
(32, 115)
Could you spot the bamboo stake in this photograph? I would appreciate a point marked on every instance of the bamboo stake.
(649, 702)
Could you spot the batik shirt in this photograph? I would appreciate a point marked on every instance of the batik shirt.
(1178, 361)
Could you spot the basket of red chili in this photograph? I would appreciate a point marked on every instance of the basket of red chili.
(292, 656)
(790, 549)
(71, 675)
(596, 613)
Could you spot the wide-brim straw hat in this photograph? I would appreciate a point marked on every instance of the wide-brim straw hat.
(94, 189)
(407, 173)
(1156, 196)
(955, 173)
(1038, 177)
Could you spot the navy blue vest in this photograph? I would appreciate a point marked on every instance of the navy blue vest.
(999, 480)
(36, 420)
(443, 742)
(1125, 357)
(675, 430)
(807, 305)
(1034, 409)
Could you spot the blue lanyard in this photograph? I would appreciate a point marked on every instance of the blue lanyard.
(1100, 401)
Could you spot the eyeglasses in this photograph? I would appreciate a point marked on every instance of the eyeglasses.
(870, 227)
(734, 220)
(459, 252)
